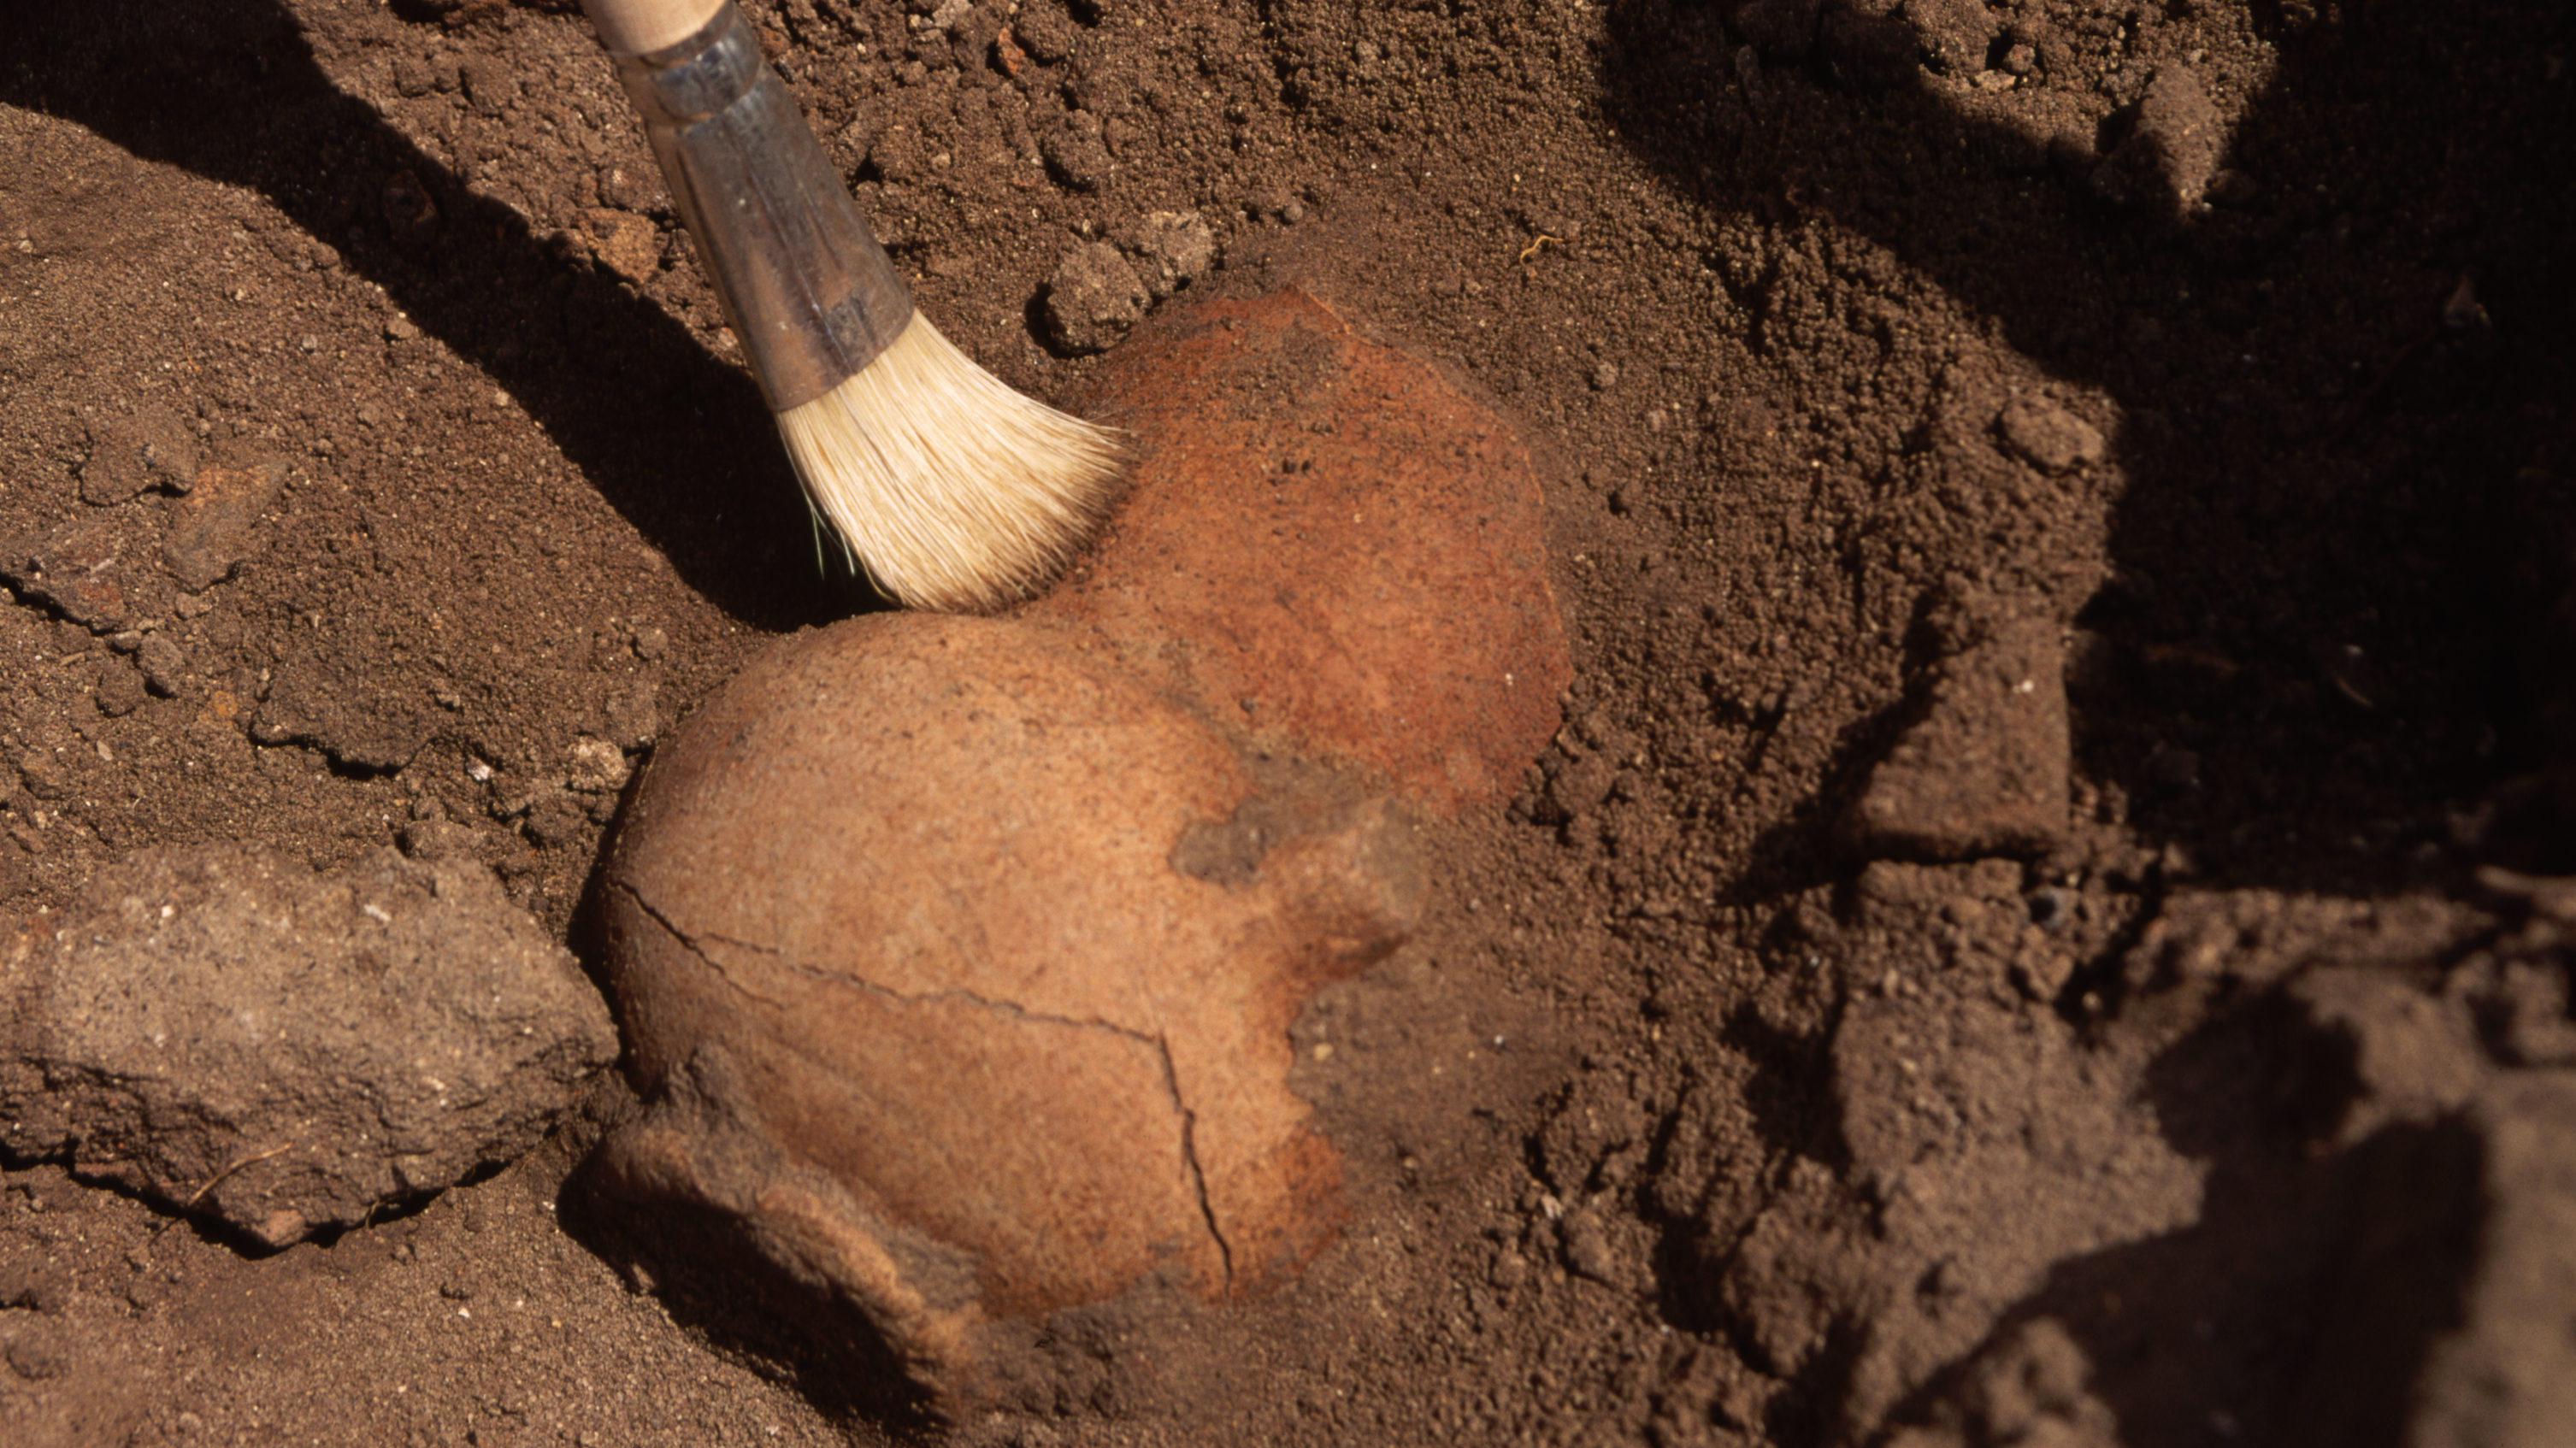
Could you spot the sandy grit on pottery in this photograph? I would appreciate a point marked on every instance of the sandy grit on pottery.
(956, 957)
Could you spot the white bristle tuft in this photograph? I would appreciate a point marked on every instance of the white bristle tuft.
(958, 493)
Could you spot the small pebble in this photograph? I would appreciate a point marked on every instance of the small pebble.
(1605, 375)
(163, 664)
(1587, 1246)
(595, 766)
(120, 691)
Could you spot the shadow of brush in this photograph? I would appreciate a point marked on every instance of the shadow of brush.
(679, 441)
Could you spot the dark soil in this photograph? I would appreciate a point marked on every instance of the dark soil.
(1851, 1029)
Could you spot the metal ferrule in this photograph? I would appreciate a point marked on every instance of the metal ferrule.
(804, 282)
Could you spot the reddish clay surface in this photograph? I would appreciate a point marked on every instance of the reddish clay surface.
(1329, 548)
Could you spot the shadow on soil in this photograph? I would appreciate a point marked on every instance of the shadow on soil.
(2314, 609)
(2325, 592)
(2301, 1308)
(678, 441)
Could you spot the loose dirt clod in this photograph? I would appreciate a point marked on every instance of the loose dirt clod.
(233, 1035)
(2506, 1373)
(1984, 770)
(1094, 298)
(2172, 149)
(1171, 249)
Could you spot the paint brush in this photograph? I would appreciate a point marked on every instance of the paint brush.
(954, 491)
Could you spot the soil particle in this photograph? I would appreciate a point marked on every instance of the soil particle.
(2049, 437)
(119, 691)
(85, 571)
(338, 698)
(1094, 299)
(1074, 153)
(155, 448)
(2172, 149)
(630, 715)
(624, 242)
(210, 533)
(1044, 30)
(1956, 34)
(1171, 249)
(1985, 769)
(163, 663)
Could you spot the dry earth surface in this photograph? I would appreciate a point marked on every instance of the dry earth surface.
(2048, 919)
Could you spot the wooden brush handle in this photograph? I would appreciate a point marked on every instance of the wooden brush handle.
(808, 290)
(640, 27)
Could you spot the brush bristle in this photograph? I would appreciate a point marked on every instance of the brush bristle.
(957, 493)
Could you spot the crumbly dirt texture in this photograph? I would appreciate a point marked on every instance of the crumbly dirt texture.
(2048, 918)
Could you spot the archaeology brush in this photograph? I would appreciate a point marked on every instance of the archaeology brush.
(953, 490)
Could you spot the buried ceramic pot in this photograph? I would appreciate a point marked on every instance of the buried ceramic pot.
(957, 956)
(956, 969)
